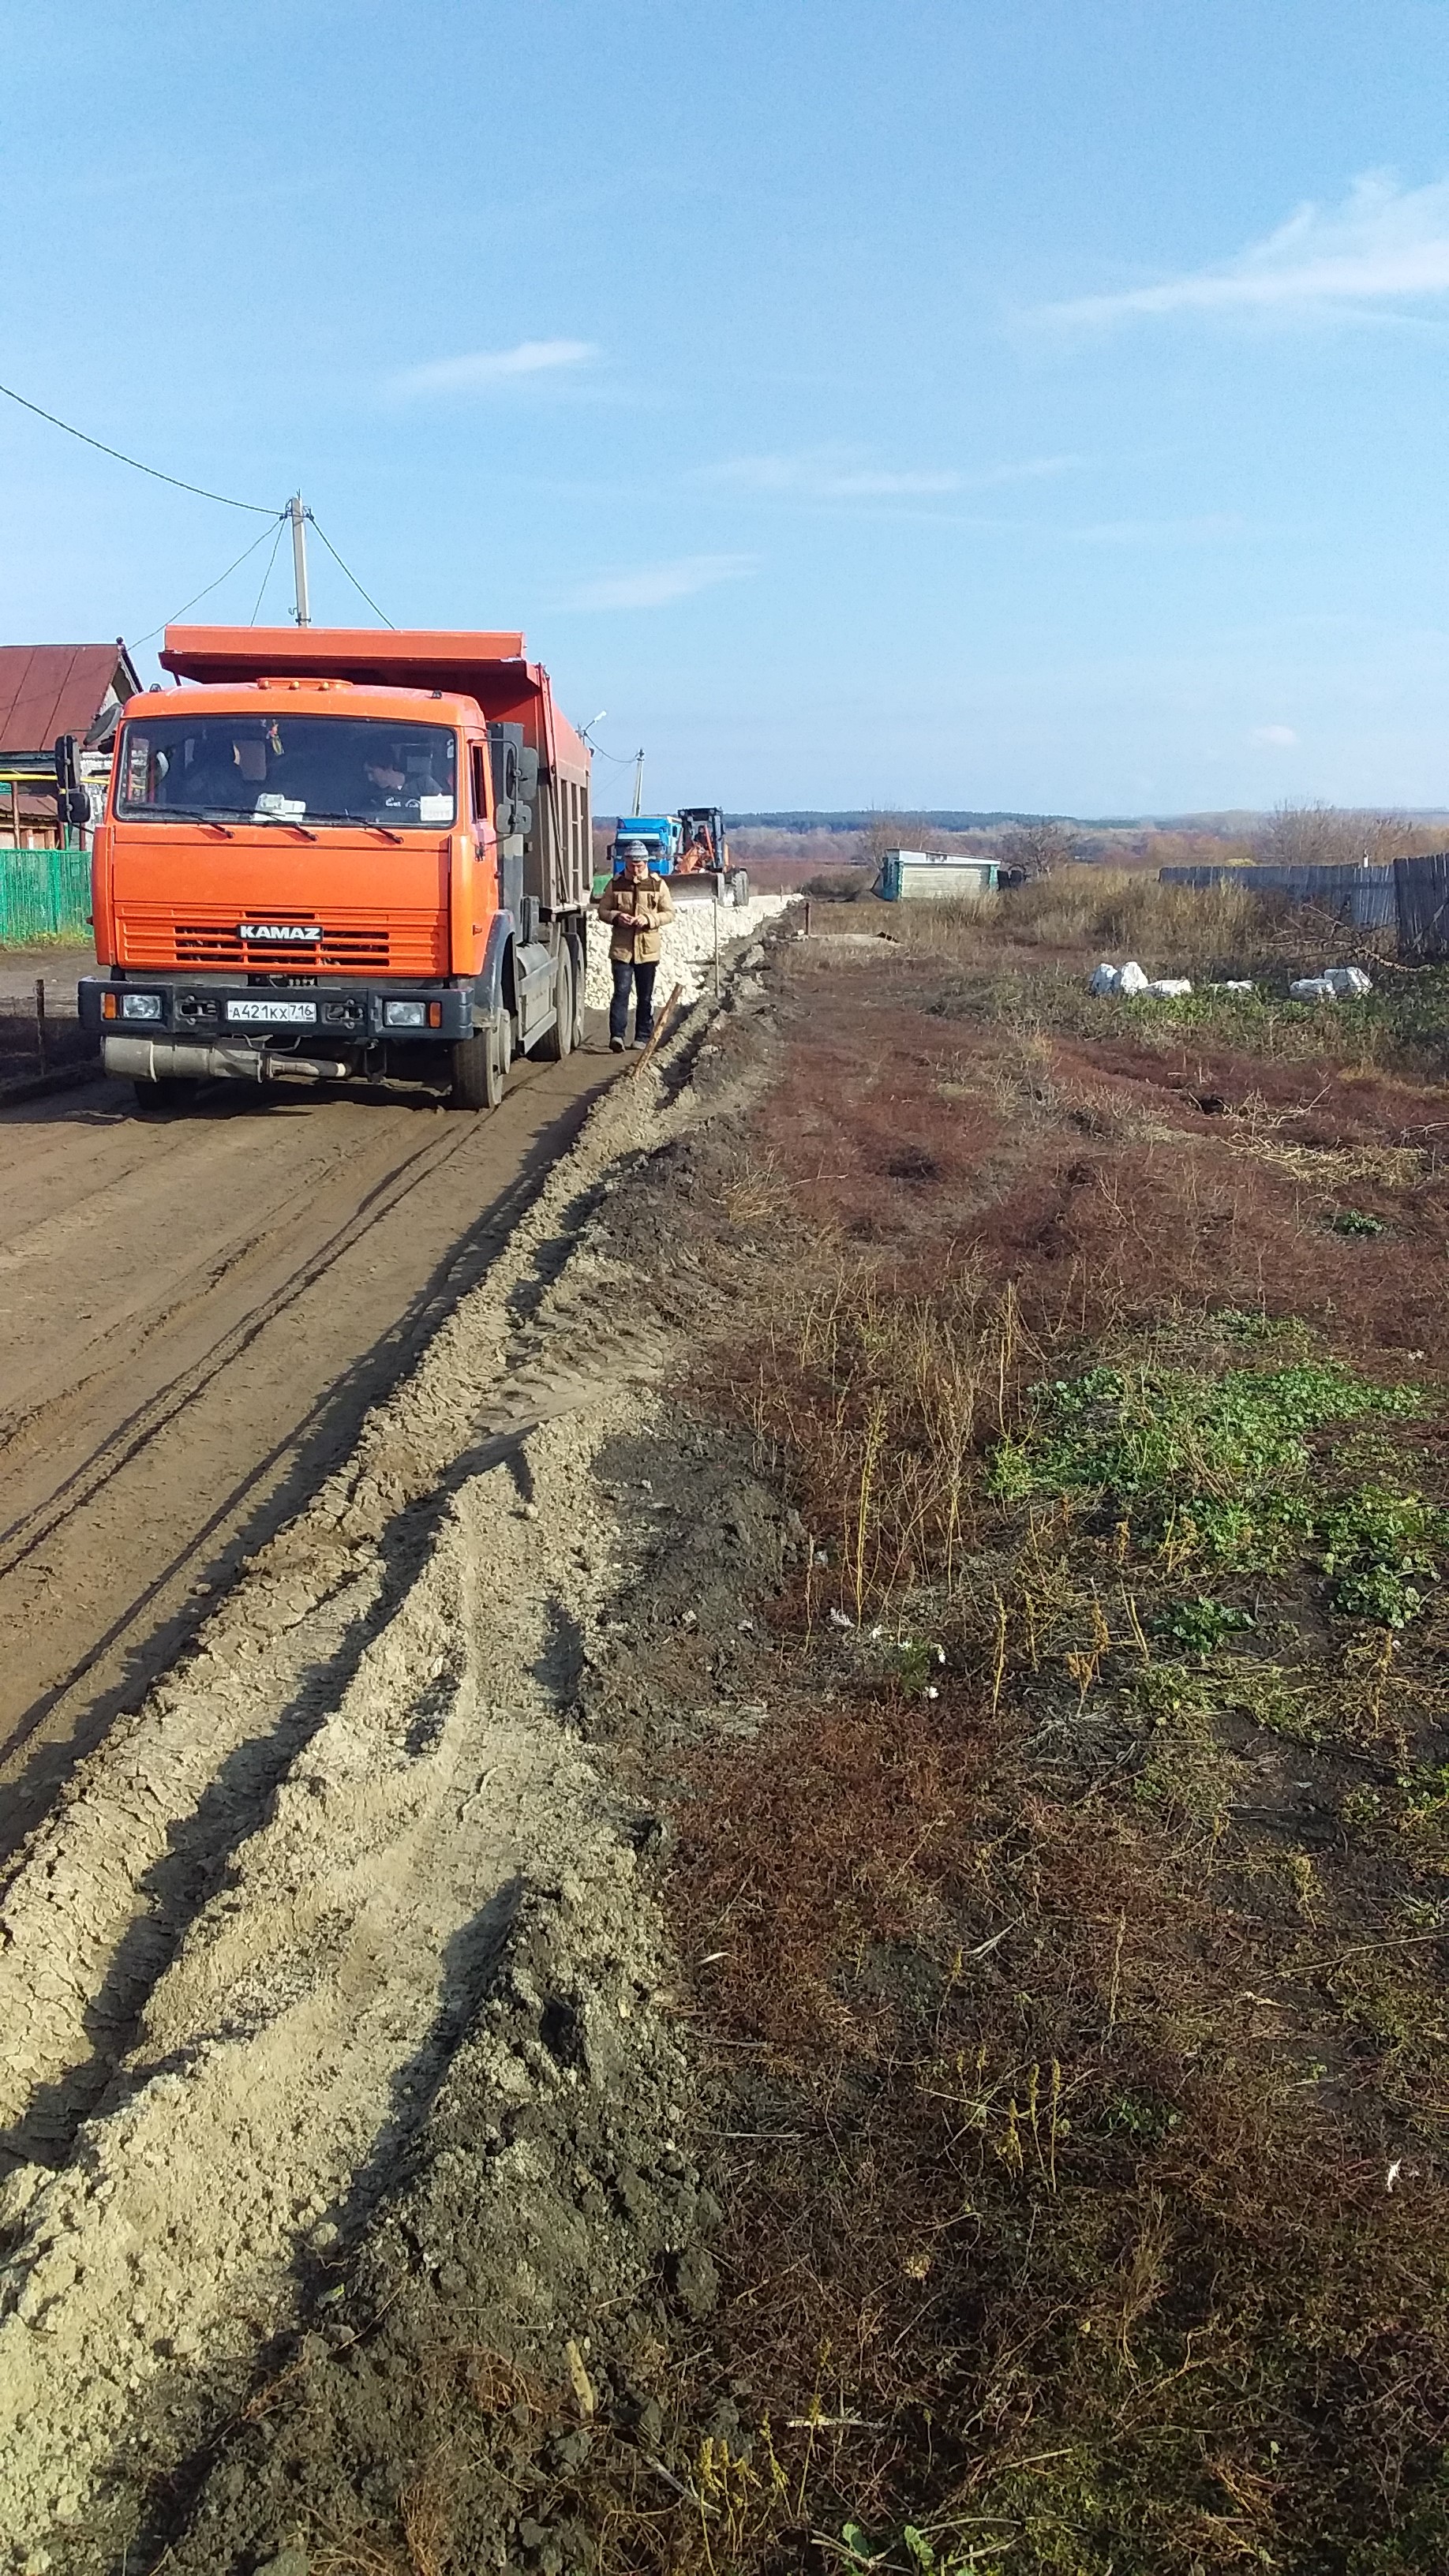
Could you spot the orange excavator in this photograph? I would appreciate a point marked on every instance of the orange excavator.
(703, 865)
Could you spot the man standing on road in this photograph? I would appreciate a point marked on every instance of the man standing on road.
(636, 905)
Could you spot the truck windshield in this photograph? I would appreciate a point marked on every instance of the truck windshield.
(277, 769)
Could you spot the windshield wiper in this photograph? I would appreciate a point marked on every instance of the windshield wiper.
(359, 823)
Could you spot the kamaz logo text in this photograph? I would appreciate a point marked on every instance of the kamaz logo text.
(304, 933)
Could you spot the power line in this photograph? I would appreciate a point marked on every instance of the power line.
(214, 585)
(225, 499)
(271, 559)
(352, 577)
(154, 471)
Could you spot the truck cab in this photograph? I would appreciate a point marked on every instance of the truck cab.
(660, 836)
(343, 856)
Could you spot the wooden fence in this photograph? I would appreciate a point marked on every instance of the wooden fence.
(1422, 886)
(1410, 896)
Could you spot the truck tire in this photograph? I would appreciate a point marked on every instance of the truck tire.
(480, 1066)
(740, 890)
(576, 952)
(169, 1095)
(559, 1040)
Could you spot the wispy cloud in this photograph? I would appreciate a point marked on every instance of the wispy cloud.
(660, 585)
(484, 369)
(1384, 243)
(1274, 737)
(828, 474)
(1208, 530)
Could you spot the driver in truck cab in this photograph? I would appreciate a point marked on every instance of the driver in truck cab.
(231, 772)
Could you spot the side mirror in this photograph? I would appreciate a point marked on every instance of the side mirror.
(67, 771)
(75, 807)
(527, 775)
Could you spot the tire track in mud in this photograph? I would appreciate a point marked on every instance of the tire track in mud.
(211, 1451)
(162, 1407)
(36, 1424)
(278, 1650)
(308, 2016)
(274, 2036)
(249, 1943)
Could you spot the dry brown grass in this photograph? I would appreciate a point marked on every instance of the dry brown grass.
(1079, 915)
(1081, 2050)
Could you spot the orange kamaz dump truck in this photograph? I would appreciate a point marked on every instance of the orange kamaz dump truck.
(340, 856)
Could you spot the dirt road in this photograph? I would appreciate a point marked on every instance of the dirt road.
(197, 1315)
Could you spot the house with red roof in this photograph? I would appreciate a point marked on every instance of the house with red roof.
(47, 690)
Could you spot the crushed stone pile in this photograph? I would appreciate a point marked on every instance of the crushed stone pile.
(1125, 982)
(1335, 984)
(688, 945)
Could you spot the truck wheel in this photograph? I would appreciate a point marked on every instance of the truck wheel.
(741, 886)
(559, 1041)
(480, 1066)
(169, 1095)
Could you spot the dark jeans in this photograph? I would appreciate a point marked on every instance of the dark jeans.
(642, 980)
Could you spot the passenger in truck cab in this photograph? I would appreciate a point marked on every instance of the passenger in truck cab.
(390, 786)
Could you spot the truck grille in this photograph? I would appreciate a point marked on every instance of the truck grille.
(150, 938)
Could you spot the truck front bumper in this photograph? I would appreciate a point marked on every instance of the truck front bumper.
(234, 1018)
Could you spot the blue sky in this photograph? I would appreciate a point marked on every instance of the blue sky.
(941, 402)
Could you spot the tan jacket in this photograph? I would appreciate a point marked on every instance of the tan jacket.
(636, 915)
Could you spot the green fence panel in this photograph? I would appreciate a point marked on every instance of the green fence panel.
(44, 894)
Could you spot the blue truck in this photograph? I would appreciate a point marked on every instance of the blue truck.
(660, 835)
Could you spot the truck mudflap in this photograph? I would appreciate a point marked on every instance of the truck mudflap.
(169, 1060)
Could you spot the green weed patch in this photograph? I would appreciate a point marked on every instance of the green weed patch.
(1376, 1555)
(1199, 1627)
(1220, 1469)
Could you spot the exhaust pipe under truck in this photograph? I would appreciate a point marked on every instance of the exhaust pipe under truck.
(338, 855)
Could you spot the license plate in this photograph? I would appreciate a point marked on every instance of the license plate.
(273, 1014)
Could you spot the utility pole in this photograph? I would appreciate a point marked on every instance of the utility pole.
(298, 518)
(639, 780)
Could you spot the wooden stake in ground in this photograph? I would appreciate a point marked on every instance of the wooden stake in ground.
(40, 1020)
(660, 1025)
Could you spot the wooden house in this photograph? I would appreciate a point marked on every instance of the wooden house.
(47, 690)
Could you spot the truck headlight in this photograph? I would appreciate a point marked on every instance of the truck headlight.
(405, 1015)
(140, 1006)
